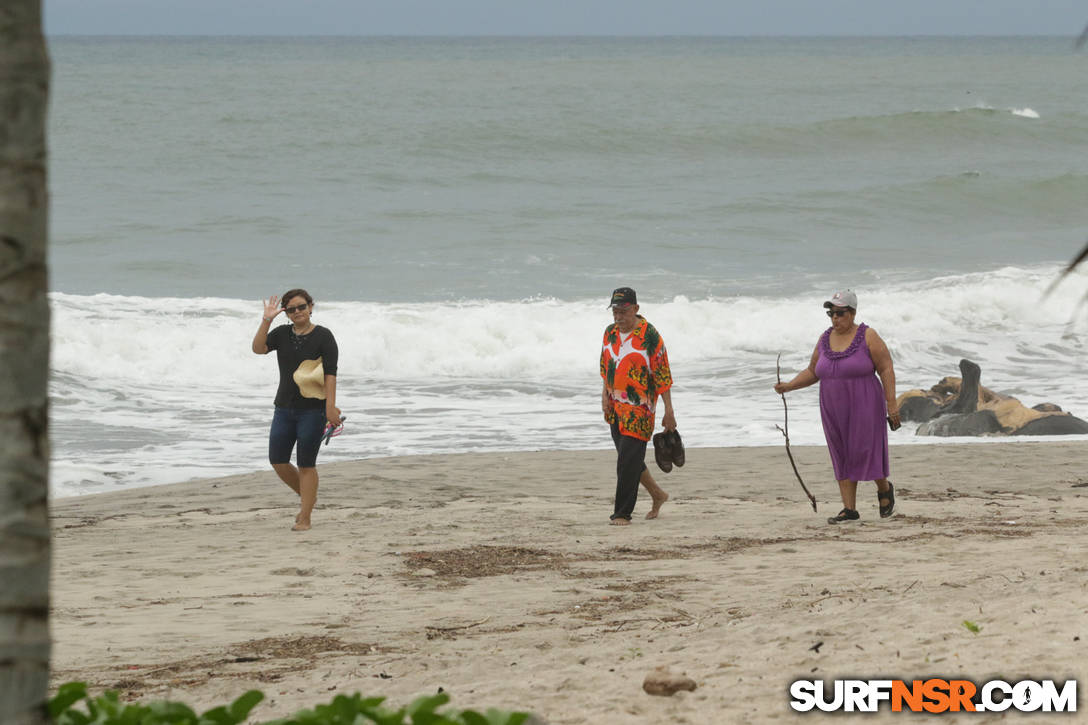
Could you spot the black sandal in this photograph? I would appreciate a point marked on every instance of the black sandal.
(676, 447)
(662, 451)
(886, 511)
(844, 515)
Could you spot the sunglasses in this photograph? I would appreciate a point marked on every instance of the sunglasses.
(836, 313)
(296, 308)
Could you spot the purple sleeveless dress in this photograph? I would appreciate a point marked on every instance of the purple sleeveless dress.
(853, 410)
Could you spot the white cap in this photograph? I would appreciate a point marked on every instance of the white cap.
(843, 298)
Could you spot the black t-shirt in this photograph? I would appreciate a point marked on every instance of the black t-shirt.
(291, 351)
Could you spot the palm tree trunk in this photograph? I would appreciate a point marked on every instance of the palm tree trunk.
(24, 367)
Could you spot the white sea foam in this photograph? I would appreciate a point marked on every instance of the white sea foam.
(153, 390)
(1025, 112)
(983, 106)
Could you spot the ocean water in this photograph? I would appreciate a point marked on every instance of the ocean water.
(461, 209)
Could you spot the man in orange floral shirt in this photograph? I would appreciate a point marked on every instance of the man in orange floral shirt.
(635, 368)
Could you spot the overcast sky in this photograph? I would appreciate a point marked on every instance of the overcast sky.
(565, 17)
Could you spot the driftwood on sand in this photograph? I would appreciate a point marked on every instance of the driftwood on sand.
(963, 407)
(786, 434)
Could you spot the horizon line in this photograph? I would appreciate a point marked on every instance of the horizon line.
(560, 35)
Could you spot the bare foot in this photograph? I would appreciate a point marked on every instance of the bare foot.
(655, 509)
(300, 526)
(620, 522)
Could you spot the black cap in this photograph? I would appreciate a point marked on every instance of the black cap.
(623, 296)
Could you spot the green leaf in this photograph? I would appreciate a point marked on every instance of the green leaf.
(104, 708)
(368, 704)
(346, 708)
(73, 717)
(423, 710)
(131, 715)
(218, 716)
(67, 695)
(171, 712)
(972, 627)
(386, 717)
(427, 703)
(107, 709)
(500, 717)
(241, 707)
(471, 717)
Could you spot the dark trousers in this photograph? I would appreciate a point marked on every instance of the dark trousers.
(630, 463)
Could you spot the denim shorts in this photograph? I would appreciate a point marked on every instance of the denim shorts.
(304, 426)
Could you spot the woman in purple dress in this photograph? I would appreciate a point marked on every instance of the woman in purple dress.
(854, 404)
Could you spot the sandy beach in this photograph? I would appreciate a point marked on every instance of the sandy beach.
(498, 578)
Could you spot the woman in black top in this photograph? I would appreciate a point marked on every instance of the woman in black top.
(306, 397)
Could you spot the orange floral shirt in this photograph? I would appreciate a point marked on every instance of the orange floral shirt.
(635, 368)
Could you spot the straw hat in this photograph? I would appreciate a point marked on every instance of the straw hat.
(310, 379)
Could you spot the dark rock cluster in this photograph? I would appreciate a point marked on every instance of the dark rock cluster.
(962, 407)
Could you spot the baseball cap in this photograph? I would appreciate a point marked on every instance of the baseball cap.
(623, 296)
(843, 298)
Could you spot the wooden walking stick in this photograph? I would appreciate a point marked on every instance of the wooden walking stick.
(786, 433)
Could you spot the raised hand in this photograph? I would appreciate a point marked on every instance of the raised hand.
(272, 307)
